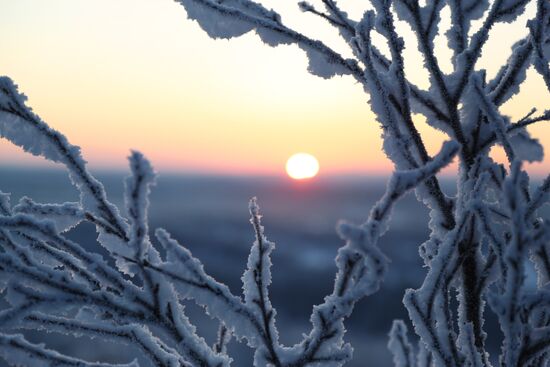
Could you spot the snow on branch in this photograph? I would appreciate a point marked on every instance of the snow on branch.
(137, 192)
(24, 128)
(491, 113)
(65, 216)
(361, 264)
(47, 275)
(399, 345)
(540, 36)
(20, 352)
(477, 253)
(256, 281)
(233, 18)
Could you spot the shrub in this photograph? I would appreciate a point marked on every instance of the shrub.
(479, 245)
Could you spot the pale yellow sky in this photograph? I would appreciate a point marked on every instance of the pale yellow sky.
(115, 75)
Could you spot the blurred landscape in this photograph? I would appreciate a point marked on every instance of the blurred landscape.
(209, 215)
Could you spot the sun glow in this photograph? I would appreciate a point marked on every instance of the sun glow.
(301, 166)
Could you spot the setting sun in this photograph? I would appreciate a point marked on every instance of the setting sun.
(302, 165)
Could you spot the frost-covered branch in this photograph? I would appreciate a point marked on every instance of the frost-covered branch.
(15, 349)
(399, 345)
(256, 280)
(361, 265)
(477, 252)
(40, 291)
(241, 16)
(540, 38)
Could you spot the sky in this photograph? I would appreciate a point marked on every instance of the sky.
(115, 75)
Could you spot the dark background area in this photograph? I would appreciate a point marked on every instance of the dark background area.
(209, 215)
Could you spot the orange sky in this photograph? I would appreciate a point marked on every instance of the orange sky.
(120, 75)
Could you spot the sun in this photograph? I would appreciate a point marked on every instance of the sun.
(301, 166)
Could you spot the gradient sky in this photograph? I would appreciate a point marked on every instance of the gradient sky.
(115, 75)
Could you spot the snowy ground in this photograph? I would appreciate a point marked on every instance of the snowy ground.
(210, 216)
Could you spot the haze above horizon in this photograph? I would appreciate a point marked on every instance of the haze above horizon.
(119, 75)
